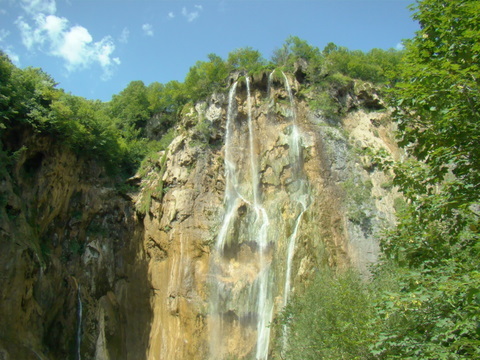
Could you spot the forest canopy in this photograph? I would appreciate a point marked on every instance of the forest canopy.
(423, 300)
(114, 132)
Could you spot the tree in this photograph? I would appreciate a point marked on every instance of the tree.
(131, 107)
(296, 52)
(377, 66)
(434, 313)
(331, 320)
(438, 112)
(205, 77)
(246, 59)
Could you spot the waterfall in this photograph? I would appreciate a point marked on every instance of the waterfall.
(292, 100)
(79, 322)
(269, 88)
(232, 194)
(231, 200)
(300, 195)
(246, 268)
(241, 299)
(264, 306)
(290, 253)
(254, 172)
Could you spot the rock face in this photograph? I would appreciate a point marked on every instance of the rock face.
(206, 295)
(182, 269)
(68, 242)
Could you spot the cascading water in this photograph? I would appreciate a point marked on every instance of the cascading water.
(241, 300)
(231, 200)
(79, 322)
(265, 305)
(300, 195)
(246, 267)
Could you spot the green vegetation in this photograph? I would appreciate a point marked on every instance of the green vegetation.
(358, 200)
(436, 308)
(30, 101)
(377, 66)
(115, 133)
(151, 171)
(334, 326)
(423, 300)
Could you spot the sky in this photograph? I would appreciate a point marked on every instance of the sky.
(94, 48)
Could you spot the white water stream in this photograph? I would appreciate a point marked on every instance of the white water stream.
(301, 195)
(79, 322)
(244, 285)
(264, 301)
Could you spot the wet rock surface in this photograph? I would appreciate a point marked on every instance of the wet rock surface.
(147, 278)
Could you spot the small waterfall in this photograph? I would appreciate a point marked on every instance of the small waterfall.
(79, 322)
(291, 251)
(269, 88)
(253, 157)
(245, 260)
(301, 195)
(292, 100)
(264, 303)
(232, 194)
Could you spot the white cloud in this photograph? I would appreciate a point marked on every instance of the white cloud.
(54, 27)
(12, 55)
(74, 48)
(147, 29)
(30, 36)
(192, 15)
(171, 15)
(399, 46)
(4, 34)
(34, 7)
(124, 36)
(53, 35)
(8, 49)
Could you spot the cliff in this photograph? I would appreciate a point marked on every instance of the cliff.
(73, 275)
(257, 191)
(212, 257)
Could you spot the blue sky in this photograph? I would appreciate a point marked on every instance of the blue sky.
(94, 48)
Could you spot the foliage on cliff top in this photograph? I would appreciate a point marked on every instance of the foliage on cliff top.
(110, 133)
(115, 132)
(426, 303)
(377, 66)
(30, 100)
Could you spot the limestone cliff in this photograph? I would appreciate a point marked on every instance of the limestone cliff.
(349, 200)
(73, 277)
(90, 272)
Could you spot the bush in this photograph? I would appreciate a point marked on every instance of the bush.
(331, 320)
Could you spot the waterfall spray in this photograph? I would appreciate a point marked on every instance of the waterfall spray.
(300, 195)
(244, 259)
(264, 301)
(231, 199)
(79, 322)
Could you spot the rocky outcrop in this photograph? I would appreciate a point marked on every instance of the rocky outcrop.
(90, 272)
(349, 204)
(68, 242)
